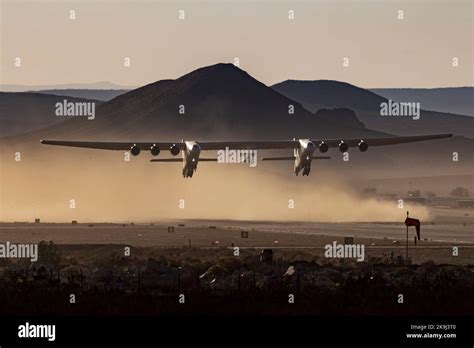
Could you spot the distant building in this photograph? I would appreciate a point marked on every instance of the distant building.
(417, 200)
(387, 195)
(466, 203)
(444, 202)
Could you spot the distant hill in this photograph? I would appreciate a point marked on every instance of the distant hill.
(25, 112)
(314, 95)
(340, 115)
(35, 88)
(97, 94)
(455, 100)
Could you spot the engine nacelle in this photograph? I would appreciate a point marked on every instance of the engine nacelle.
(323, 147)
(363, 146)
(135, 150)
(310, 146)
(155, 150)
(174, 150)
(343, 147)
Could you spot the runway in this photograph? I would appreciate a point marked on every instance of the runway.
(226, 232)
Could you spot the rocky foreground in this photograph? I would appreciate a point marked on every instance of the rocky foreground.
(194, 281)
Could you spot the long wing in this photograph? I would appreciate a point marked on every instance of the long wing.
(242, 145)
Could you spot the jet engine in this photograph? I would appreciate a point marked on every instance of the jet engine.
(343, 147)
(174, 150)
(135, 150)
(363, 146)
(155, 150)
(323, 147)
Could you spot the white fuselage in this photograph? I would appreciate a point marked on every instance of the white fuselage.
(304, 156)
(190, 158)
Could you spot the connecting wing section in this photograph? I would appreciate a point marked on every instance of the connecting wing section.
(249, 145)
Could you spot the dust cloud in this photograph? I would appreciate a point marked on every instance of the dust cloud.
(105, 188)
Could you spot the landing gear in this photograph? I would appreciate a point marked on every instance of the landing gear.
(188, 173)
(306, 170)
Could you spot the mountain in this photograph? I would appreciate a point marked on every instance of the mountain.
(25, 112)
(96, 94)
(219, 101)
(339, 116)
(314, 95)
(456, 100)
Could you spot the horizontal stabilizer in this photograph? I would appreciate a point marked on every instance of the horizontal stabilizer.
(167, 160)
(292, 158)
(278, 159)
(181, 160)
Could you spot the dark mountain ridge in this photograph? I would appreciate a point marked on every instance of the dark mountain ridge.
(23, 112)
(97, 94)
(314, 95)
(454, 100)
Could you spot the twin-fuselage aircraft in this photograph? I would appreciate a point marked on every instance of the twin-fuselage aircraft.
(303, 149)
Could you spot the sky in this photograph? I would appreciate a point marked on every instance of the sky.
(380, 49)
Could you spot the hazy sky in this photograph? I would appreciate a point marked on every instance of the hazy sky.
(383, 50)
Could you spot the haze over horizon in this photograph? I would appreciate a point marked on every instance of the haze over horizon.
(383, 50)
(112, 85)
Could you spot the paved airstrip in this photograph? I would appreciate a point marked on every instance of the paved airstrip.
(204, 233)
(380, 239)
